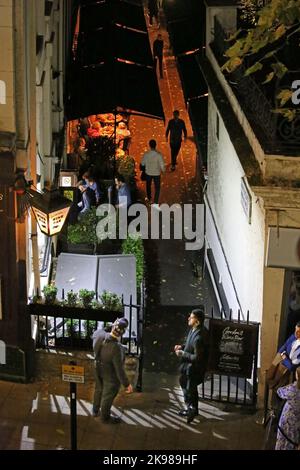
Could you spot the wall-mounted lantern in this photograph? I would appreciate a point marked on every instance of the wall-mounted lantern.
(50, 208)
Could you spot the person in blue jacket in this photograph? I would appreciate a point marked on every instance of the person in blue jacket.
(290, 350)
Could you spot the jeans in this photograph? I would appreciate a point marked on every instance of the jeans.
(105, 393)
(160, 62)
(175, 147)
(190, 391)
(156, 186)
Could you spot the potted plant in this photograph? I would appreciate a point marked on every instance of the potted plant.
(50, 292)
(72, 298)
(111, 301)
(86, 296)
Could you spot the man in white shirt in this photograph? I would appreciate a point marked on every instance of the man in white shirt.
(154, 164)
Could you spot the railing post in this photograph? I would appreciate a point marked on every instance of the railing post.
(130, 324)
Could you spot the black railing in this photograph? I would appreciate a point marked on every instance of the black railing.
(60, 326)
(277, 134)
(256, 102)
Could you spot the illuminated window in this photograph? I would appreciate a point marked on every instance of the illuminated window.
(2, 92)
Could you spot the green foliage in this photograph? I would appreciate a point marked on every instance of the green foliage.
(111, 301)
(250, 9)
(37, 299)
(72, 299)
(85, 230)
(71, 327)
(50, 292)
(86, 296)
(95, 304)
(110, 227)
(254, 68)
(126, 167)
(273, 24)
(68, 194)
(89, 326)
(134, 246)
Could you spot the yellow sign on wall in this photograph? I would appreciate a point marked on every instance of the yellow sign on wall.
(72, 373)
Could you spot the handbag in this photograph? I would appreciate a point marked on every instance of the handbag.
(278, 374)
(143, 173)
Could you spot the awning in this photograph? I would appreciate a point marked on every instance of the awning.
(113, 67)
(111, 41)
(192, 79)
(113, 87)
(186, 25)
(95, 15)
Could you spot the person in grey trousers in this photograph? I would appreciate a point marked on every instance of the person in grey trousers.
(109, 370)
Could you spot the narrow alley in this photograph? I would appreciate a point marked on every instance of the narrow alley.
(36, 416)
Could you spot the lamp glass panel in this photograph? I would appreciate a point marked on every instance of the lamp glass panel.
(42, 220)
(57, 220)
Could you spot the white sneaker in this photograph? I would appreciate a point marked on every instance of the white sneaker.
(156, 206)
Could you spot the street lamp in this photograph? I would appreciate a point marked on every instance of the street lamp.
(50, 208)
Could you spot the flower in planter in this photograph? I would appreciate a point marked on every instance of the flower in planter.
(86, 296)
(50, 293)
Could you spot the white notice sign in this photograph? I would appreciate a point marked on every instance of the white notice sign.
(73, 374)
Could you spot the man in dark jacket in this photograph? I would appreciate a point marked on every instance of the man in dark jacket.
(193, 362)
(290, 350)
(158, 47)
(176, 127)
(109, 369)
(153, 11)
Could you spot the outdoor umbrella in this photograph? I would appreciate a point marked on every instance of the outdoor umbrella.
(94, 15)
(113, 66)
(112, 87)
(113, 41)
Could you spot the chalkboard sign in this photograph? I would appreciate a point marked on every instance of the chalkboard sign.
(232, 347)
(15, 367)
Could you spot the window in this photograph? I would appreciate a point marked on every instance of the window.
(2, 92)
(246, 199)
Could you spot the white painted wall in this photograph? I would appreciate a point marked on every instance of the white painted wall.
(242, 243)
